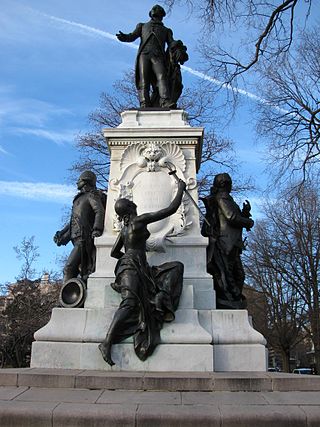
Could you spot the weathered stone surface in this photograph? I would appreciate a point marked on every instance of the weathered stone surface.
(241, 381)
(312, 414)
(139, 397)
(291, 382)
(223, 398)
(26, 414)
(233, 327)
(47, 377)
(11, 392)
(38, 394)
(9, 376)
(110, 380)
(84, 415)
(99, 398)
(176, 416)
(239, 357)
(173, 381)
(262, 416)
(293, 398)
(87, 356)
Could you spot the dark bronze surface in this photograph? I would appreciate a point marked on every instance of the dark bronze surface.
(73, 293)
(150, 295)
(227, 221)
(158, 74)
(86, 223)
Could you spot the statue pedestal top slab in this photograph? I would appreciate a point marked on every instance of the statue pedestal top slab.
(154, 118)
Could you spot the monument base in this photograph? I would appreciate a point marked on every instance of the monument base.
(200, 338)
(166, 357)
(240, 358)
(197, 340)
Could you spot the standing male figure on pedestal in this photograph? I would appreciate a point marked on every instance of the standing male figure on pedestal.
(226, 221)
(151, 66)
(86, 223)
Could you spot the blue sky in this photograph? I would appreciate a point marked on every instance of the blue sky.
(57, 56)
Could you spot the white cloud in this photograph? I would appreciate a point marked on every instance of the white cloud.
(40, 191)
(56, 137)
(85, 28)
(3, 151)
(27, 110)
(16, 112)
(243, 92)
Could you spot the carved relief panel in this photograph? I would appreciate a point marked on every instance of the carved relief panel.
(144, 179)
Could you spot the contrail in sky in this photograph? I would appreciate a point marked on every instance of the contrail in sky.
(199, 74)
(41, 191)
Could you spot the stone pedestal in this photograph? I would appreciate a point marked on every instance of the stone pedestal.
(141, 149)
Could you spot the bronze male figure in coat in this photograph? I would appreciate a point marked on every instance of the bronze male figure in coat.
(86, 223)
(153, 62)
(227, 221)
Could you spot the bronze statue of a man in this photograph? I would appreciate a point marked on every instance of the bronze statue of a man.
(155, 66)
(227, 221)
(86, 223)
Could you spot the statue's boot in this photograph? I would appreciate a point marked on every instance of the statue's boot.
(144, 97)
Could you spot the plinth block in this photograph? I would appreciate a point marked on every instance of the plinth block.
(91, 325)
(240, 357)
(173, 357)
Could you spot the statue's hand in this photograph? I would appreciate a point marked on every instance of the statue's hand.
(246, 207)
(250, 225)
(179, 56)
(121, 36)
(96, 233)
(57, 238)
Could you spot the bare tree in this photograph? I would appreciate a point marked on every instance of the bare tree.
(273, 47)
(269, 31)
(284, 261)
(290, 117)
(27, 251)
(27, 306)
(284, 311)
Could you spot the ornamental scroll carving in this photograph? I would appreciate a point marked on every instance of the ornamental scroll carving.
(145, 180)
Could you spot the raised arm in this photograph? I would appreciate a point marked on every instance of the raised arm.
(131, 37)
(147, 218)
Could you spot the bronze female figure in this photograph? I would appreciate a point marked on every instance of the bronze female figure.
(150, 295)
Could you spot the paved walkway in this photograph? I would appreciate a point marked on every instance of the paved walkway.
(44, 397)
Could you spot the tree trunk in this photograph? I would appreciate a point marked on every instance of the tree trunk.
(285, 355)
(317, 358)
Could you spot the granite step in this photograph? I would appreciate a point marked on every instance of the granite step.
(50, 397)
(161, 381)
(23, 406)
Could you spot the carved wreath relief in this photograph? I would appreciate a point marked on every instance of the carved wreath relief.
(144, 178)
